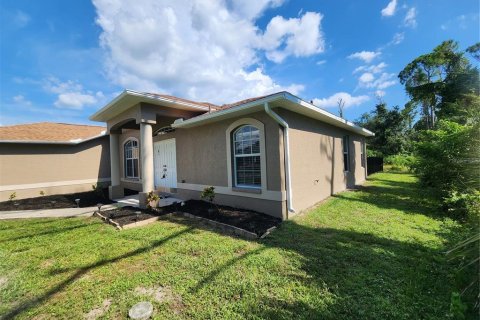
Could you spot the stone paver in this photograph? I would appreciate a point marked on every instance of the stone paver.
(141, 311)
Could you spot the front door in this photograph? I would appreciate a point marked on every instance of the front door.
(165, 164)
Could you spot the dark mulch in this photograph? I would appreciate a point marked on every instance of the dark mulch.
(127, 215)
(248, 220)
(87, 199)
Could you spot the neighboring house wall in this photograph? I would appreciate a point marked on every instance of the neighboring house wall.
(316, 153)
(28, 169)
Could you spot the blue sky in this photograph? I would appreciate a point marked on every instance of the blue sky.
(62, 60)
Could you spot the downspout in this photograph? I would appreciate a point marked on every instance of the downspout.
(286, 146)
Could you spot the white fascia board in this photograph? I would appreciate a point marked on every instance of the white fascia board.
(70, 142)
(105, 113)
(309, 110)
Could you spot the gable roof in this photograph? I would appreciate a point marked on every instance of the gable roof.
(281, 99)
(50, 133)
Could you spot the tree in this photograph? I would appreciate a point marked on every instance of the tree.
(341, 107)
(435, 80)
(391, 128)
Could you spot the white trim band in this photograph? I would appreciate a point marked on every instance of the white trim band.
(14, 187)
(265, 194)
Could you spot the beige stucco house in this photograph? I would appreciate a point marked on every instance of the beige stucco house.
(275, 154)
(52, 158)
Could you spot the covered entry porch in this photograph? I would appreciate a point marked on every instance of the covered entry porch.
(134, 120)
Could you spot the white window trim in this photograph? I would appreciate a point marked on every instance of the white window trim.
(235, 156)
(125, 159)
(346, 152)
(263, 165)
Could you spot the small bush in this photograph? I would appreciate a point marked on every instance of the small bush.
(400, 162)
(12, 196)
(151, 197)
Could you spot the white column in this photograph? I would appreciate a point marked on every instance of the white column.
(146, 143)
(114, 159)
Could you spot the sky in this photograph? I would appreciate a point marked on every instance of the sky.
(61, 61)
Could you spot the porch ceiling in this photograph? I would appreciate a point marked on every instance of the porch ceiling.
(130, 98)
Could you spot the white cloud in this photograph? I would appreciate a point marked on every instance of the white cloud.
(182, 47)
(398, 38)
(410, 19)
(71, 95)
(380, 93)
(367, 80)
(21, 19)
(366, 56)
(21, 100)
(320, 62)
(389, 10)
(298, 37)
(332, 101)
(376, 68)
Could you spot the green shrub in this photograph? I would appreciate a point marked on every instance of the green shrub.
(448, 161)
(400, 162)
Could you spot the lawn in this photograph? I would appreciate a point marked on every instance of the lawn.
(376, 253)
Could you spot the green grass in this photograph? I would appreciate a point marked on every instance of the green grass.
(377, 253)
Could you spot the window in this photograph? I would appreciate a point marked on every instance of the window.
(346, 153)
(246, 157)
(130, 153)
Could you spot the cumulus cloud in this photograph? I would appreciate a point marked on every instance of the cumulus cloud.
(181, 47)
(298, 37)
(389, 10)
(366, 56)
(21, 100)
(410, 19)
(397, 38)
(332, 101)
(368, 80)
(70, 94)
(376, 68)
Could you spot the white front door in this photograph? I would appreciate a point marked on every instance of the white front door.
(165, 164)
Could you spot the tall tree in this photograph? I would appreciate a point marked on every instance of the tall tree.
(435, 80)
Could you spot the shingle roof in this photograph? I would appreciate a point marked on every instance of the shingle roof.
(50, 132)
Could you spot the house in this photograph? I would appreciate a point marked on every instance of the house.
(52, 158)
(275, 154)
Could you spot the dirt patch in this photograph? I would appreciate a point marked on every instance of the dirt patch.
(248, 220)
(47, 263)
(3, 282)
(87, 199)
(99, 311)
(128, 215)
(163, 295)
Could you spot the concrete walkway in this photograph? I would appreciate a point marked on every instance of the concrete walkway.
(52, 213)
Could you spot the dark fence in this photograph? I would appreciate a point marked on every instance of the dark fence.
(374, 164)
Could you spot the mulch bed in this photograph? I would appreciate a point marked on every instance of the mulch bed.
(251, 221)
(87, 199)
(127, 215)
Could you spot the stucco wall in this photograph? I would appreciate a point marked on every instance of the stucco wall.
(28, 169)
(317, 160)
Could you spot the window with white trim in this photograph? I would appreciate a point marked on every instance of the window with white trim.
(246, 157)
(130, 154)
(346, 153)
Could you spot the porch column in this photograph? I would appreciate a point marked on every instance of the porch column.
(115, 191)
(146, 143)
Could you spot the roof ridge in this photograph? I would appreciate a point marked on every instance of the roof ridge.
(51, 122)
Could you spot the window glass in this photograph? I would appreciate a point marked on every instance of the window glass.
(246, 154)
(130, 149)
(346, 151)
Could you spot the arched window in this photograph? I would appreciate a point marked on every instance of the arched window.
(130, 154)
(246, 157)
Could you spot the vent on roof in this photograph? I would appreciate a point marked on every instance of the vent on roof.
(163, 130)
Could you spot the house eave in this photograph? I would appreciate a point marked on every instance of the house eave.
(283, 100)
(69, 142)
(129, 98)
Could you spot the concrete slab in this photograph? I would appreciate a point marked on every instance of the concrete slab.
(52, 213)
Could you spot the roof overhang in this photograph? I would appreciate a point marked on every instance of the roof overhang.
(283, 100)
(129, 98)
(69, 142)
